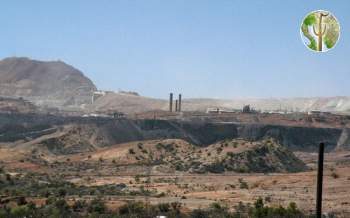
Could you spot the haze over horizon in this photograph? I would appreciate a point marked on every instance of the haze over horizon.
(199, 48)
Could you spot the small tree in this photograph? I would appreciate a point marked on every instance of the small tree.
(98, 206)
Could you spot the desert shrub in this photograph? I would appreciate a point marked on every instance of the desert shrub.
(96, 208)
(131, 151)
(3, 213)
(132, 208)
(166, 147)
(242, 169)
(20, 211)
(62, 192)
(218, 210)
(54, 208)
(243, 184)
(8, 177)
(79, 206)
(179, 166)
(159, 146)
(62, 205)
(261, 211)
(137, 178)
(162, 194)
(235, 144)
(334, 175)
(50, 200)
(230, 154)
(216, 167)
(97, 205)
(198, 213)
(21, 201)
(268, 198)
(164, 208)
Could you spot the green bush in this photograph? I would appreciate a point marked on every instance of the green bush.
(132, 208)
(79, 206)
(96, 208)
(97, 205)
(20, 211)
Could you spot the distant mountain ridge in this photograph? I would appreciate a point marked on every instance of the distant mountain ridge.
(131, 104)
(57, 84)
(51, 83)
(327, 104)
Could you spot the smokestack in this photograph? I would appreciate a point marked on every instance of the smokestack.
(171, 102)
(179, 106)
(176, 105)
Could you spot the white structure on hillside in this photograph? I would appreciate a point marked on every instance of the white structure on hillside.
(96, 95)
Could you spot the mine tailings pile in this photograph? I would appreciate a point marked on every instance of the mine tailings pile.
(17, 127)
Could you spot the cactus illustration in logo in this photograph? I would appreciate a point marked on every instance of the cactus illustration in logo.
(320, 31)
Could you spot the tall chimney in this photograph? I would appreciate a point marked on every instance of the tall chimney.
(171, 102)
(179, 106)
(176, 105)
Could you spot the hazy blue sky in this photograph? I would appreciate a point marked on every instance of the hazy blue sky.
(213, 48)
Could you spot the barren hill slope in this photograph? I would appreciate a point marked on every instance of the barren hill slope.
(9, 105)
(128, 103)
(52, 83)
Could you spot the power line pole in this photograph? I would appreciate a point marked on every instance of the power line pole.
(319, 181)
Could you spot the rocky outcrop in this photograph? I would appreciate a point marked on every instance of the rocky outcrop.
(51, 83)
(261, 156)
(11, 105)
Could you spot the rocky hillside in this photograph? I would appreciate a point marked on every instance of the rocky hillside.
(128, 103)
(10, 105)
(249, 156)
(52, 83)
(178, 155)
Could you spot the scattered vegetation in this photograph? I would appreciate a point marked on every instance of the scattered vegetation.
(131, 151)
(58, 207)
(43, 185)
(243, 184)
(334, 175)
